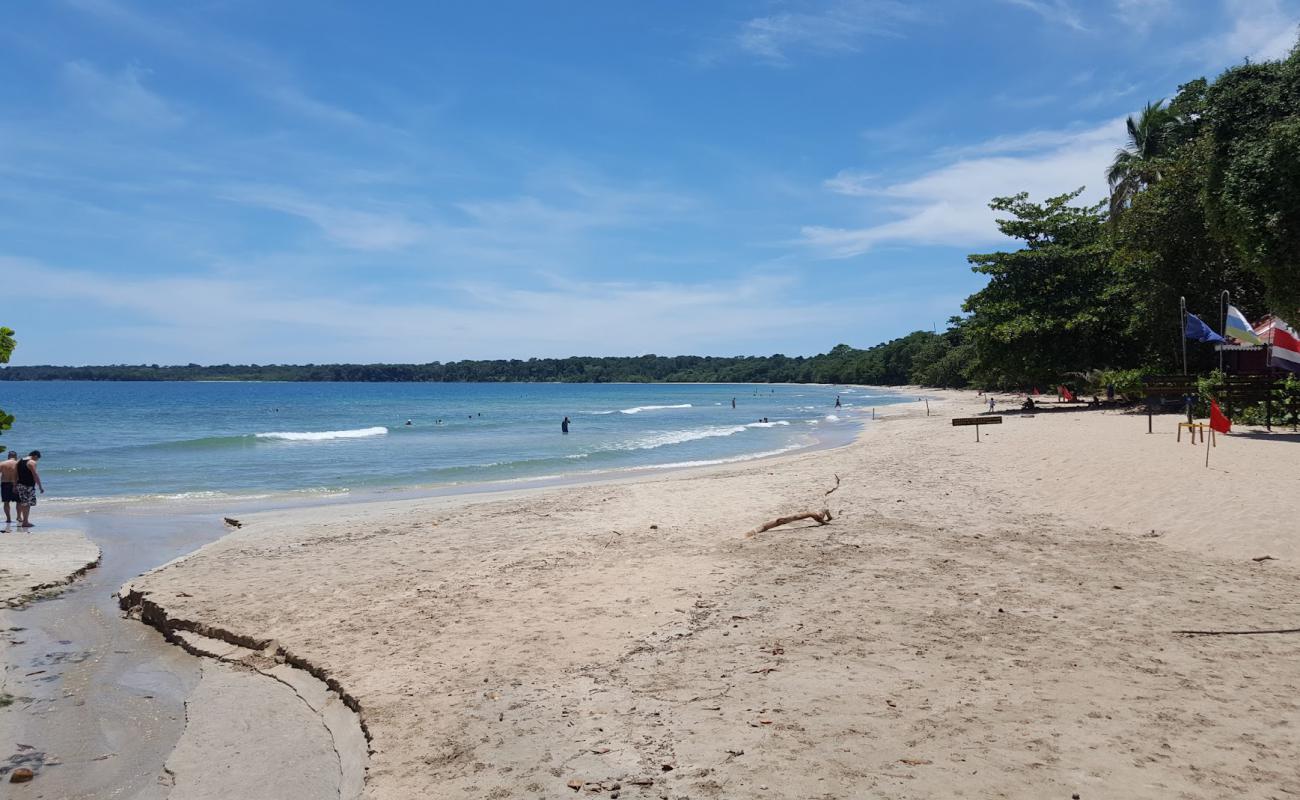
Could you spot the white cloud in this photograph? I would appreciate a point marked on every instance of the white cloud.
(835, 27)
(1141, 15)
(223, 319)
(349, 227)
(949, 205)
(256, 69)
(119, 96)
(1261, 30)
(851, 182)
(1058, 12)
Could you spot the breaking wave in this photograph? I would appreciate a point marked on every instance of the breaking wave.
(322, 436)
(639, 409)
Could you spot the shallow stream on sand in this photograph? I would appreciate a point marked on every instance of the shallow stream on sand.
(99, 700)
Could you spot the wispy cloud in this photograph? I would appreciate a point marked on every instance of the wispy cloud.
(120, 96)
(1140, 16)
(349, 227)
(260, 70)
(949, 205)
(854, 183)
(839, 26)
(1260, 30)
(209, 318)
(1057, 12)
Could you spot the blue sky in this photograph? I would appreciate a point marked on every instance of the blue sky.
(239, 181)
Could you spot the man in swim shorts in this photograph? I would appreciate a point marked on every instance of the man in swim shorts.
(8, 476)
(25, 488)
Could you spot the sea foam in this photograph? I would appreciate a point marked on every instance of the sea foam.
(678, 437)
(639, 409)
(321, 436)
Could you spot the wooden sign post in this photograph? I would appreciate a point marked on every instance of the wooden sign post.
(977, 422)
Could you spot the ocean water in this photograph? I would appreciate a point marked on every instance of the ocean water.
(191, 440)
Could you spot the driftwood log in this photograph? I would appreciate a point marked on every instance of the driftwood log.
(820, 517)
(234, 523)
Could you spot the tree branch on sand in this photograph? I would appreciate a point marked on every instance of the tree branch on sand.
(821, 517)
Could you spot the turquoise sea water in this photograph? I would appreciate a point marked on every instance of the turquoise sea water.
(102, 439)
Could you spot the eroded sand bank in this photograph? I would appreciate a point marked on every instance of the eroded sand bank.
(31, 562)
(979, 620)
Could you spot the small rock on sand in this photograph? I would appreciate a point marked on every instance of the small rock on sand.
(21, 775)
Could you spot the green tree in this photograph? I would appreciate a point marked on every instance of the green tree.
(1050, 307)
(1253, 191)
(1137, 164)
(7, 345)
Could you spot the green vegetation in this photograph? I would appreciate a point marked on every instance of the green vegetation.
(908, 360)
(7, 345)
(1204, 196)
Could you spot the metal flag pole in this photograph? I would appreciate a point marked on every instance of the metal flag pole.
(1182, 328)
(1224, 300)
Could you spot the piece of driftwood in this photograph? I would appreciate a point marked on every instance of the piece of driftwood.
(833, 488)
(1238, 633)
(234, 523)
(820, 517)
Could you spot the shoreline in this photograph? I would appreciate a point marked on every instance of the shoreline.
(258, 501)
(566, 628)
(560, 634)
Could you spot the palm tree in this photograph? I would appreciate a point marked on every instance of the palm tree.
(1137, 165)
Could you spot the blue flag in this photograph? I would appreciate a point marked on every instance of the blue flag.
(1193, 328)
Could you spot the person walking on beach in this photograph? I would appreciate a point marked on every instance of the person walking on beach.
(992, 403)
(564, 426)
(25, 489)
(8, 476)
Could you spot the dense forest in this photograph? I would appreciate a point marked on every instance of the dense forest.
(1204, 197)
(886, 364)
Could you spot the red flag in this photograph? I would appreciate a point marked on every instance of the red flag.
(1218, 422)
(1067, 394)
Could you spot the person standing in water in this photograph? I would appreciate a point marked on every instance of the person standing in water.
(837, 401)
(733, 402)
(25, 489)
(9, 477)
(564, 426)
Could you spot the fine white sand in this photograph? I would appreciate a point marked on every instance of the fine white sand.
(30, 562)
(979, 620)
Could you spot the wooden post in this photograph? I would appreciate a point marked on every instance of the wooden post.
(1207, 450)
(873, 413)
(927, 408)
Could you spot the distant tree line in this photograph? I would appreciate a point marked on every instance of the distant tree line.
(886, 364)
(1204, 197)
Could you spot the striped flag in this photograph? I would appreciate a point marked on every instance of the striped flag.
(1238, 328)
(1284, 352)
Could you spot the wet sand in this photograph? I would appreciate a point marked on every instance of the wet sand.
(31, 563)
(102, 706)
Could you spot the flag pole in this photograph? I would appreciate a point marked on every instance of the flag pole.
(1182, 328)
(1207, 446)
(1225, 300)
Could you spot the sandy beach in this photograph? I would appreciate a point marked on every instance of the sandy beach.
(979, 620)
